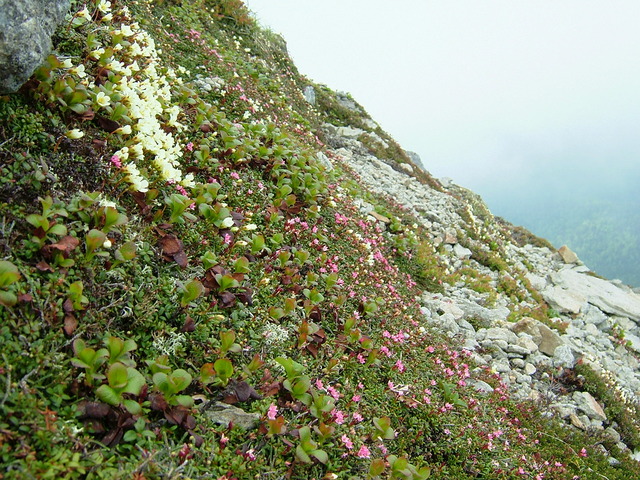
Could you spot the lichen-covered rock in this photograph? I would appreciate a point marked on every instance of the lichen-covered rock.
(26, 27)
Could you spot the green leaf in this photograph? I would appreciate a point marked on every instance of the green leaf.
(321, 455)
(223, 368)
(117, 376)
(57, 229)
(8, 299)
(302, 455)
(192, 290)
(179, 380)
(135, 381)
(8, 273)
(241, 265)
(108, 395)
(132, 407)
(94, 240)
(126, 252)
(161, 380)
(301, 386)
(185, 400)
(377, 467)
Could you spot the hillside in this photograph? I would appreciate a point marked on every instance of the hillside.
(214, 268)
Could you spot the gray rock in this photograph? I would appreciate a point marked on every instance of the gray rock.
(564, 300)
(345, 100)
(415, 158)
(536, 281)
(603, 294)
(546, 339)
(497, 334)
(482, 387)
(461, 252)
(568, 256)
(487, 316)
(529, 369)
(310, 94)
(563, 357)
(592, 409)
(26, 27)
(225, 414)
(349, 132)
(324, 160)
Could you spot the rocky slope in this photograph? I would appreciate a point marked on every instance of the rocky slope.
(214, 268)
(598, 318)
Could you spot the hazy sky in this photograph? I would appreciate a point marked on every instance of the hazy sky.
(487, 92)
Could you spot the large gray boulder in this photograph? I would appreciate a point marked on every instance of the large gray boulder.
(26, 27)
(572, 289)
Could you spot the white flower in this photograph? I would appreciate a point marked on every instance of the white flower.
(134, 177)
(188, 181)
(251, 226)
(126, 130)
(126, 30)
(104, 6)
(79, 71)
(108, 17)
(107, 243)
(103, 99)
(227, 222)
(74, 134)
(84, 13)
(67, 63)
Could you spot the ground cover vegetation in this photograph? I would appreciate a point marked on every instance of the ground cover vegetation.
(170, 239)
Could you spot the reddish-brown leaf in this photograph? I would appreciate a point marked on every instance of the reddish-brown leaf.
(189, 325)
(88, 115)
(66, 245)
(106, 124)
(94, 410)
(25, 298)
(67, 306)
(100, 144)
(44, 266)
(227, 300)
(70, 324)
(158, 403)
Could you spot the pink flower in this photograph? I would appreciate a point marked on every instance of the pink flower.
(357, 417)
(363, 452)
(115, 160)
(272, 412)
(189, 146)
(347, 442)
(356, 398)
(235, 175)
(400, 366)
(338, 416)
(583, 452)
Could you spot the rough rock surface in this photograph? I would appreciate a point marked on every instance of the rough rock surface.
(226, 415)
(26, 27)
